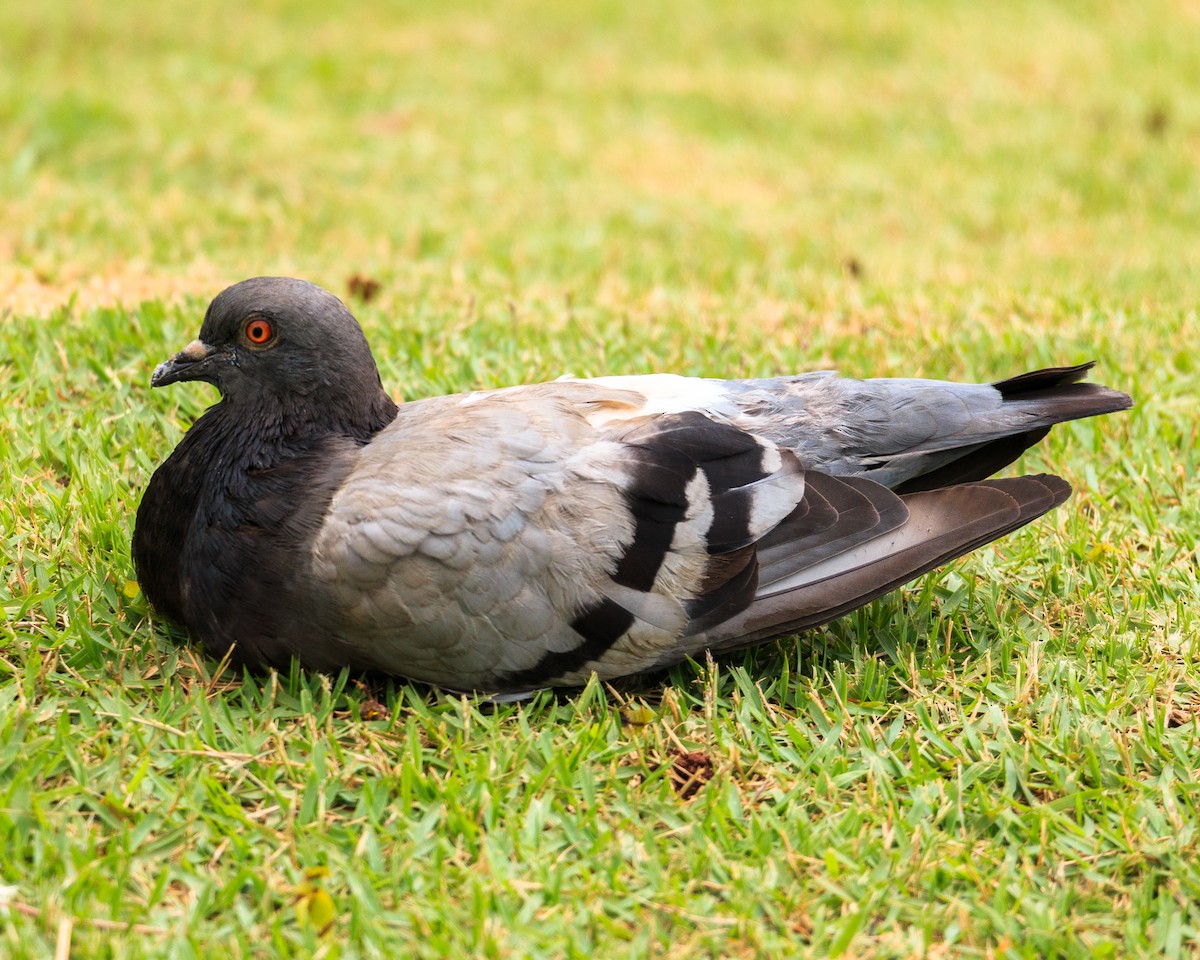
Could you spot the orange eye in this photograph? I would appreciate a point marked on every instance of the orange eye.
(258, 331)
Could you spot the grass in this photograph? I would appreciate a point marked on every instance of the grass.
(998, 760)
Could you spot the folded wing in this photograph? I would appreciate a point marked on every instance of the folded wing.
(530, 537)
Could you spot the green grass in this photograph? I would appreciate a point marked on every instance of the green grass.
(999, 760)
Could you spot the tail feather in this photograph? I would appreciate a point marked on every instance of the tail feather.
(1046, 378)
(1042, 398)
(975, 463)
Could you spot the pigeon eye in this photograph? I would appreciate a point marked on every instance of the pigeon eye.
(259, 331)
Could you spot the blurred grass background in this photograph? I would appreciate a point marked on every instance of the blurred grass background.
(607, 144)
(998, 761)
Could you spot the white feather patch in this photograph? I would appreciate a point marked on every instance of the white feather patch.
(663, 393)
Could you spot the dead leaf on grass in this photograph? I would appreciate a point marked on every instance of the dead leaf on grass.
(363, 288)
(690, 770)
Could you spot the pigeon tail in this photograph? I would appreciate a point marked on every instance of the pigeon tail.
(1042, 398)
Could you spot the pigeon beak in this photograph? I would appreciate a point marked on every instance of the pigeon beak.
(188, 364)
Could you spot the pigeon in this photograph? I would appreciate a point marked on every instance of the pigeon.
(504, 541)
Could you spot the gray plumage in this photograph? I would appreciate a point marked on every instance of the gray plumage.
(506, 540)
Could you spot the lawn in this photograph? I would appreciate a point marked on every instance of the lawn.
(999, 760)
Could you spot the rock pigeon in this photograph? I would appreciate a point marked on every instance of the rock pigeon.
(508, 540)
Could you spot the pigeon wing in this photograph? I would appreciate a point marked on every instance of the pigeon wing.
(503, 541)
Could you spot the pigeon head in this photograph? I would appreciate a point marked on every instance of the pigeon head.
(279, 342)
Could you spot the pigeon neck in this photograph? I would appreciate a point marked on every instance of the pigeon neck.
(303, 421)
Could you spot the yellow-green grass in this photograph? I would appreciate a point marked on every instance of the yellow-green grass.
(998, 760)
